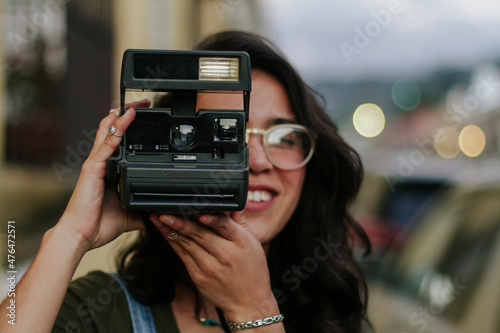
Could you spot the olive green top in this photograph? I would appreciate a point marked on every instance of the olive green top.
(96, 303)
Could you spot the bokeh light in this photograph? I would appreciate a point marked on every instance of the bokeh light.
(446, 142)
(472, 140)
(369, 120)
(406, 94)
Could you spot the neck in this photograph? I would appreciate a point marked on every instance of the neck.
(189, 305)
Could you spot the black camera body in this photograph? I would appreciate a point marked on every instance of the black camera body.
(175, 157)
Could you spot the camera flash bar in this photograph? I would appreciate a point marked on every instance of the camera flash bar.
(166, 70)
(219, 69)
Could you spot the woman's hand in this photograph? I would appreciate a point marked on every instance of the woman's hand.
(225, 261)
(92, 218)
(94, 215)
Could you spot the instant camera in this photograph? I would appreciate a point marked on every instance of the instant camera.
(175, 157)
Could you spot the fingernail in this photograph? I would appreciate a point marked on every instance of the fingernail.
(207, 219)
(167, 220)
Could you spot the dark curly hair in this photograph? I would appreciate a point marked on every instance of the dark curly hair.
(317, 282)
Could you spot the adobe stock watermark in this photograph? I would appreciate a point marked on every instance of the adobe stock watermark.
(219, 179)
(484, 88)
(294, 276)
(455, 115)
(40, 15)
(93, 304)
(443, 295)
(364, 35)
(75, 157)
(222, 7)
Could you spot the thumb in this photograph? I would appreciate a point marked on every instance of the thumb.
(239, 217)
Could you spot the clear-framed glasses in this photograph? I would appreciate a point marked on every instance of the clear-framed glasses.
(287, 146)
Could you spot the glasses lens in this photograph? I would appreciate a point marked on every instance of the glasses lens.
(289, 147)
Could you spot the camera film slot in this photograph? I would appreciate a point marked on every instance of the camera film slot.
(183, 194)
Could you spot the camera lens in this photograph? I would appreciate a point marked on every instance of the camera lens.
(184, 136)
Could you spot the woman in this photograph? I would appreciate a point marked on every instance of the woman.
(286, 259)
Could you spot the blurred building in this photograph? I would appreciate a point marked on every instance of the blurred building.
(63, 58)
(59, 76)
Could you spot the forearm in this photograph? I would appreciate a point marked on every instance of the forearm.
(40, 292)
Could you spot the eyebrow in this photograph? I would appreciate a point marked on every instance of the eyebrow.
(280, 121)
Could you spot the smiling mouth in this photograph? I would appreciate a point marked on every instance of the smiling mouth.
(259, 196)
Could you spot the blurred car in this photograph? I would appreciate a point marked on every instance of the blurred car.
(387, 210)
(446, 277)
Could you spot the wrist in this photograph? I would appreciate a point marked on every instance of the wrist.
(43, 287)
(277, 319)
(67, 240)
(254, 311)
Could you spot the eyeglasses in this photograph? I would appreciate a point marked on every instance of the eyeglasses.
(287, 146)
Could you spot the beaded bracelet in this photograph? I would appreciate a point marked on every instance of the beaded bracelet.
(255, 323)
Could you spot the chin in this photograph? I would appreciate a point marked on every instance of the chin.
(259, 227)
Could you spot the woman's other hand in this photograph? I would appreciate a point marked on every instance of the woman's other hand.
(225, 261)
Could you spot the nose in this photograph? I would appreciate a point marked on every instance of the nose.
(258, 161)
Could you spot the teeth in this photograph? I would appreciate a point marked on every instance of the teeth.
(259, 196)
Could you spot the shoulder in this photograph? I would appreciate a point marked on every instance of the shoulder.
(102, 285)
(94, 303)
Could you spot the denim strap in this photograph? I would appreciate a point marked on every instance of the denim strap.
(142, 318)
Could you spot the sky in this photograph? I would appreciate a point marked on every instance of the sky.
(383, 38)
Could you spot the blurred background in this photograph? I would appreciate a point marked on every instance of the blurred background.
(414, 86)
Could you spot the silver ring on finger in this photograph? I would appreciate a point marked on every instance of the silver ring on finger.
(173, 236)
(112, 131)
(115, 111)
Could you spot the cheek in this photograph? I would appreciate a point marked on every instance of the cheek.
(294, 182)
(266, 225)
